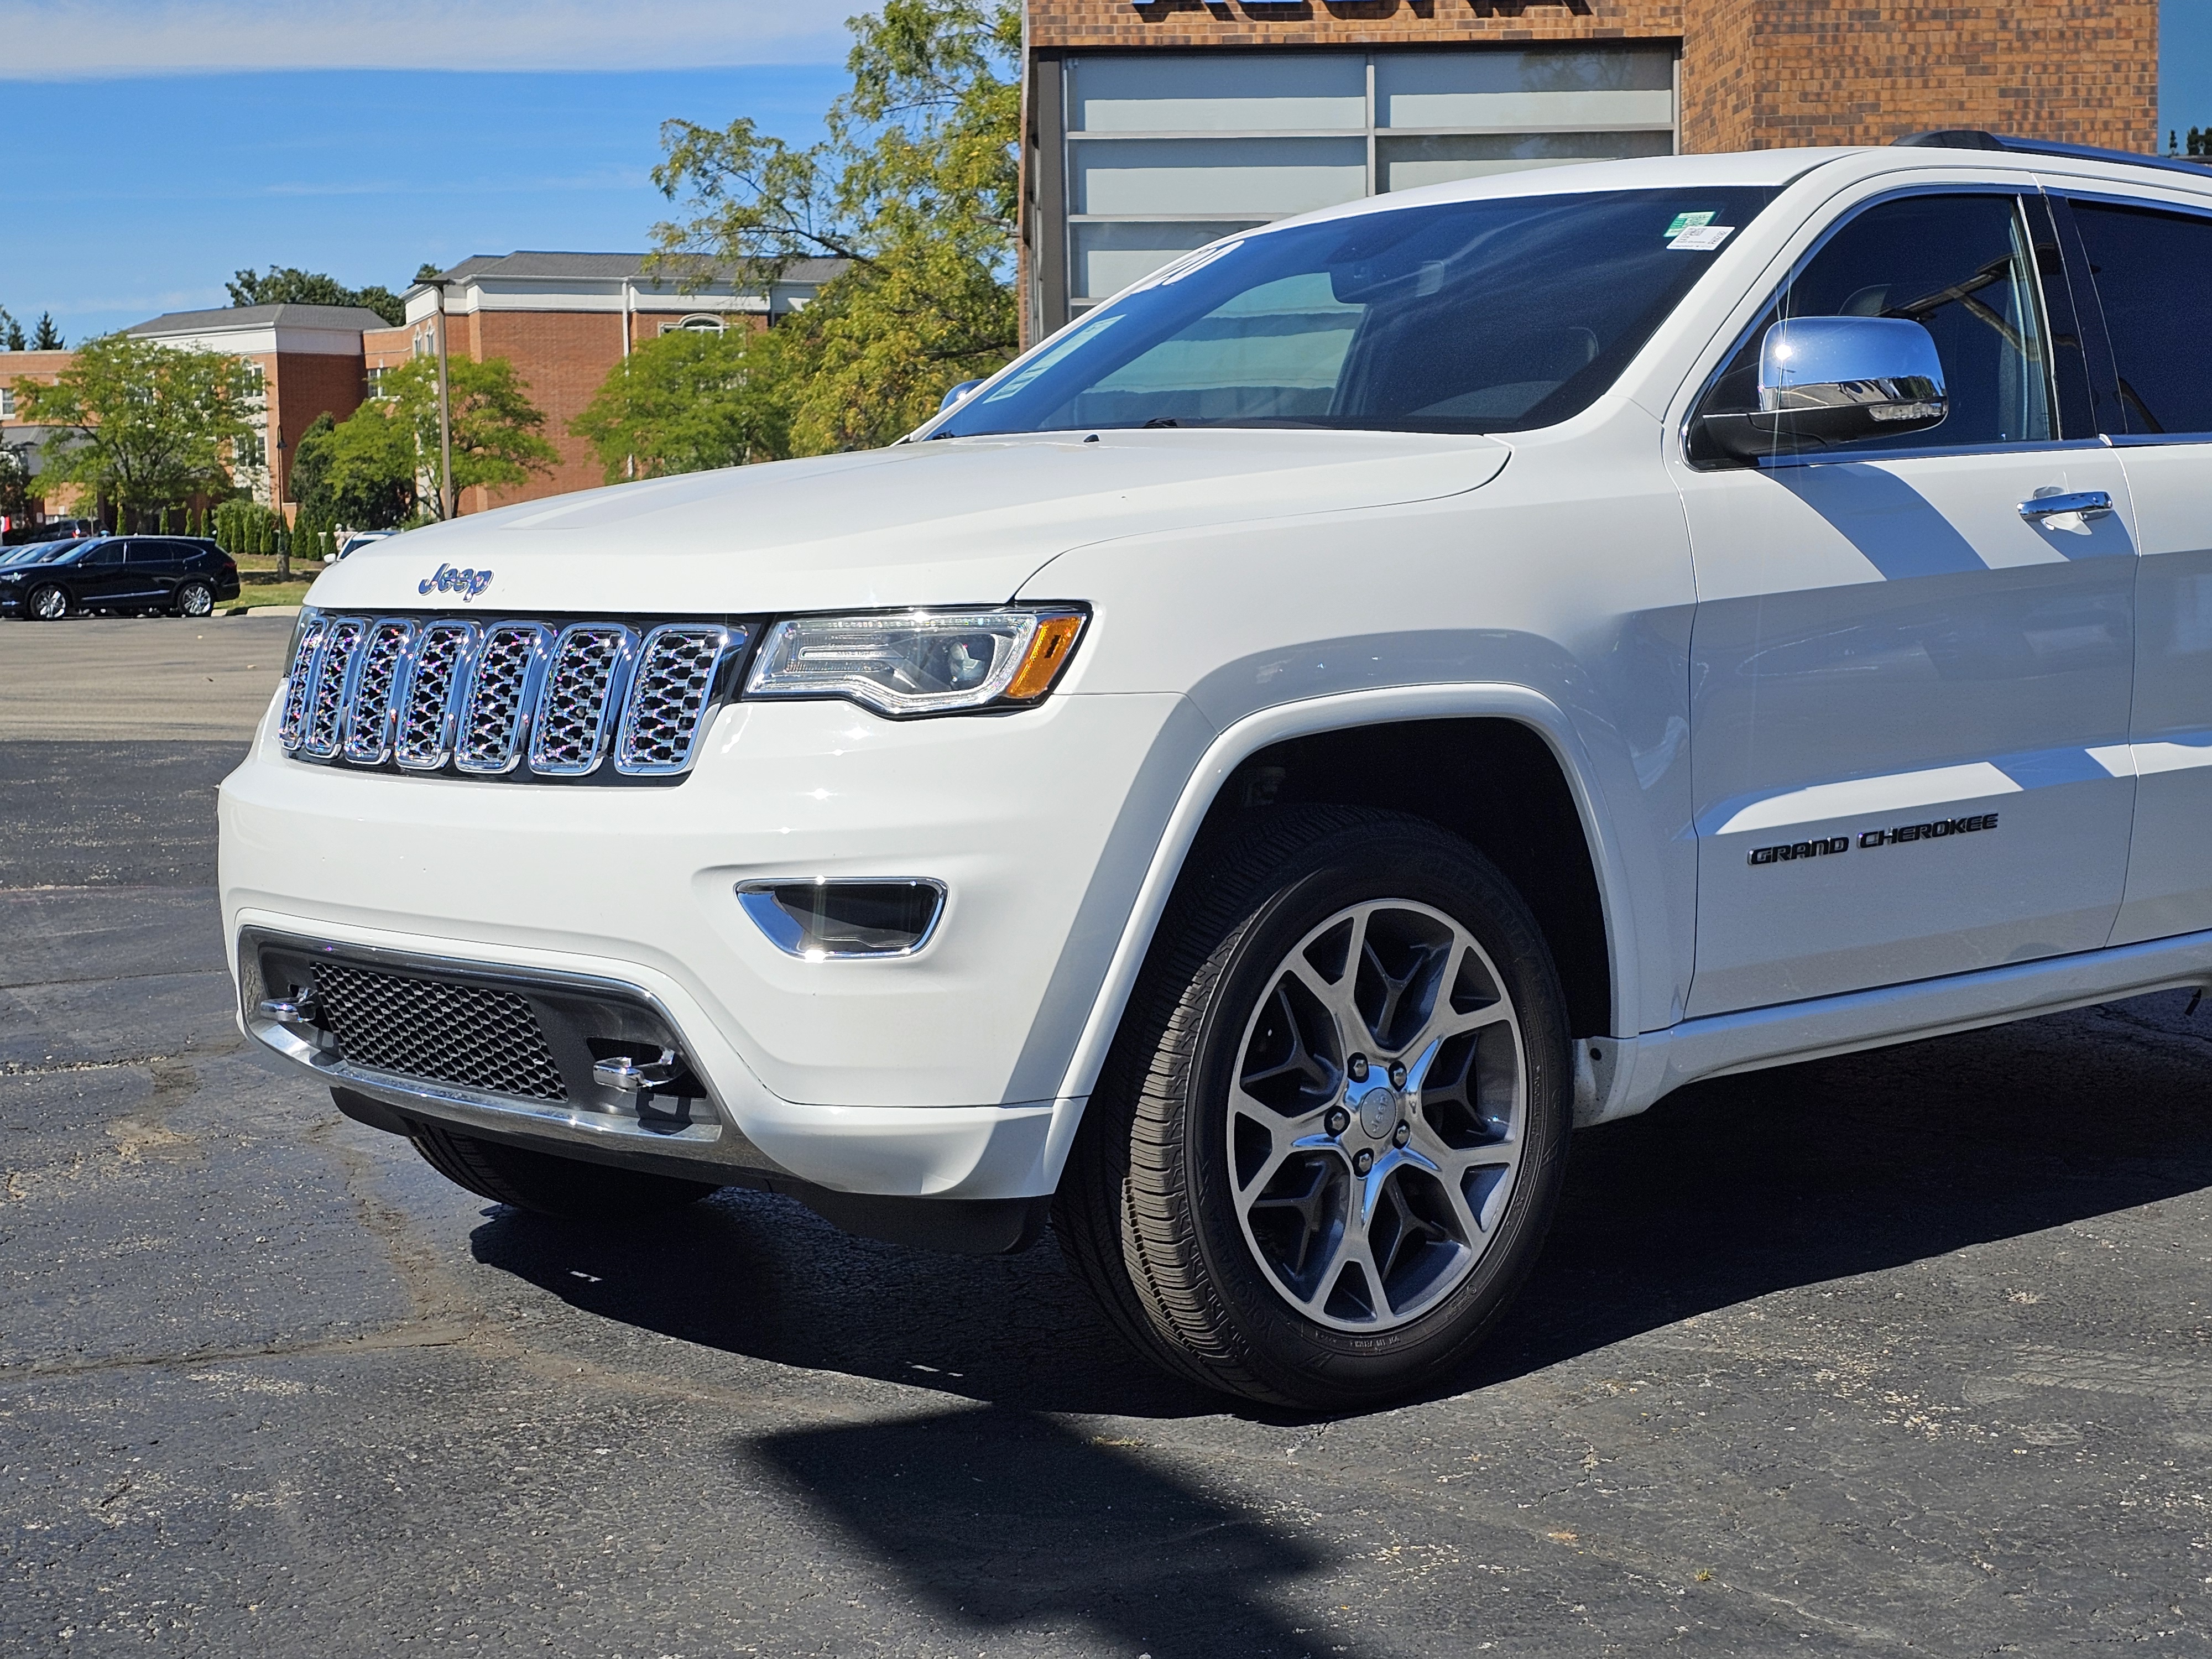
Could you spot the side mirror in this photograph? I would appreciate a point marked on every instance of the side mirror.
(955, 394)
(1836, 380)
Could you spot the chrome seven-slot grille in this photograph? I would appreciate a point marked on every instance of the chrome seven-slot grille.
(590, 701)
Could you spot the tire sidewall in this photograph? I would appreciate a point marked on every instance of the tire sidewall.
(1429, 867)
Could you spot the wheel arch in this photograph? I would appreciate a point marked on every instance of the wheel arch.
(1284, 754)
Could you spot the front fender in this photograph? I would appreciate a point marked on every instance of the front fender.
(1230, 748)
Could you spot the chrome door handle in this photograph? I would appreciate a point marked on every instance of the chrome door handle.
(2089, 503)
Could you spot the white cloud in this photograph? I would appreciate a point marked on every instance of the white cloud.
(73, 39)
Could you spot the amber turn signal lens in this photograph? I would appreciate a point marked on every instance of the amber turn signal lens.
(1049, 649)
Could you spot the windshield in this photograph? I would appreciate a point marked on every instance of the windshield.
(41, 552)
(1494, 315)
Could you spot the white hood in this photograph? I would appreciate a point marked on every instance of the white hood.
(953, 522)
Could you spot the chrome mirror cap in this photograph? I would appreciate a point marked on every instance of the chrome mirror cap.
(1835, 380)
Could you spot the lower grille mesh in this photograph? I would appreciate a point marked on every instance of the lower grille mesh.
(468, 1036)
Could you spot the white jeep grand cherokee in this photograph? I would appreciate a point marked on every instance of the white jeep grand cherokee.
(1393, 686)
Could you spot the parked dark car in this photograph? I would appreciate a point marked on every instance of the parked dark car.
(53, 529)
(178, 575)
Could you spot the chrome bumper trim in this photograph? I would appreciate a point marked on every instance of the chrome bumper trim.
(597, 1119)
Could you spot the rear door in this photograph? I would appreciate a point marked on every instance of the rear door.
(2152, 267)
(1900, 685)
(153, 568)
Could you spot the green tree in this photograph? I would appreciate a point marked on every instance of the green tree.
(15, 492)
(360, 472)
(915, 187)
(394, 438)
(688, 402)
(140, 423)
(427, 272)
(287, 285)
(46, 336)
(11, 332)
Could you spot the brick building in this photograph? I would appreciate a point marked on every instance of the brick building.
(1153, 128)
(564, 320)
(308, 360)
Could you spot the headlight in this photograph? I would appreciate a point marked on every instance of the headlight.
(919, 662)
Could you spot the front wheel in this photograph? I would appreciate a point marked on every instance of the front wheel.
(195, 599)
(1328, 1143)
(49, 604)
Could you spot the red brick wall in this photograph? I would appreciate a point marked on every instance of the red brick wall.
(1782, 72)
(302, 385)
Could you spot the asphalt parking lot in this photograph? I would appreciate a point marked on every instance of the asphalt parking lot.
(1903, 1352)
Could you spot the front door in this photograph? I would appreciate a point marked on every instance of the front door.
(98, 577)
(2154, 275)
(1901, 685)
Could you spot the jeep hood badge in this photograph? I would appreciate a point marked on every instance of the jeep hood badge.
(466, 583)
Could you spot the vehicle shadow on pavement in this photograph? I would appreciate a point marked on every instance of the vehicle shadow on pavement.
(1007, 1520)
(1744, 1185)
(1726, 1192)
(748, 1274)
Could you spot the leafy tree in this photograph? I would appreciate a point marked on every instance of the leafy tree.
(915, 186)
(360, 474)
(390, 444)
(15, 492)
(46, 336)
(286, 285)
(427, 272)
(141, 422)
(689, 401)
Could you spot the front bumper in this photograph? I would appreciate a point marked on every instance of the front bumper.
(930, 1075)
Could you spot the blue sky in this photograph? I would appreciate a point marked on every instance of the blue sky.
(150, 148)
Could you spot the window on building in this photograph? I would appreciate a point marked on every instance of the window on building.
(1163, 152)
(2153, 277)
(700, 324)
(251, 452)
(7, 402)
(376, 382)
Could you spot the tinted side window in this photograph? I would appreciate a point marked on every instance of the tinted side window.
(2154, 273)
(1965, 267)
(148, 554)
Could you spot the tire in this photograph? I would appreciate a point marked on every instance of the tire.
(47, 604)
(565, 1188)
(1232, 1126)
(195, 599)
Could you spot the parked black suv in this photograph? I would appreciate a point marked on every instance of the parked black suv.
(128, 574)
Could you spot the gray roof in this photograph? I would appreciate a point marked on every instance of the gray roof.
(550, 266)
(353, 318)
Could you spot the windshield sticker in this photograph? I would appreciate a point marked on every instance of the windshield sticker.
(1701, 238)
(1687, 221)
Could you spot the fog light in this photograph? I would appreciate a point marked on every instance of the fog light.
(822, 920)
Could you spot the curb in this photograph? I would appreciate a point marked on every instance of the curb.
(261, 611)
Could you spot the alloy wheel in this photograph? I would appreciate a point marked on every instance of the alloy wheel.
(49, 604)
(195, 600)
(1377, 1116)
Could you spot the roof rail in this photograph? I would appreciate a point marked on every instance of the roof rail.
(1974, 138)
